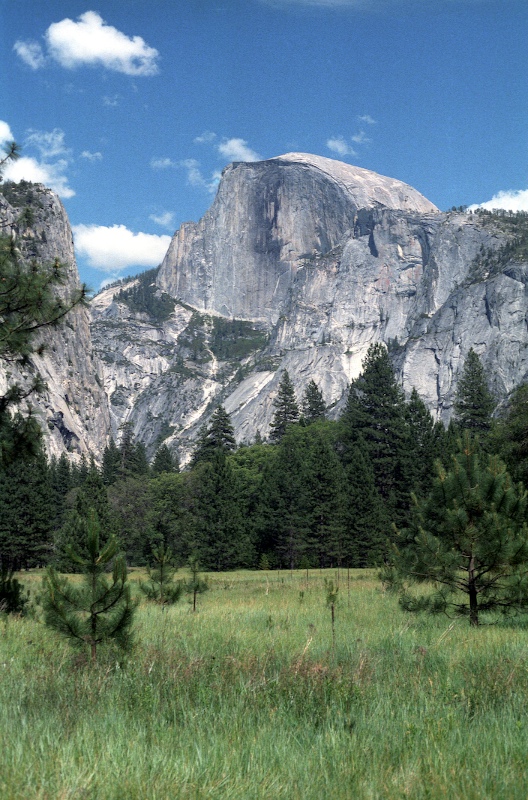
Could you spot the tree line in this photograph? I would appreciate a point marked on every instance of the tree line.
(319, 493)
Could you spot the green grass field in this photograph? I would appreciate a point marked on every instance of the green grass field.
(248, 699)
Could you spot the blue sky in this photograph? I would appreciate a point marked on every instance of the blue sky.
(130, 110)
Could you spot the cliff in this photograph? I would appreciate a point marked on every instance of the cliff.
(73, 410)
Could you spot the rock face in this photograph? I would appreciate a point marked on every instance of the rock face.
(300, 264)
(320, 259)
(74, 408)
(241, 259)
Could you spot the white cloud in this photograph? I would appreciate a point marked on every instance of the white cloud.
(508, 200)
(338, 145)
(30, 53)
(91, 156)
(162, 163)
(367, 119)
(114, 248)
(360, 138)
(5, 133)
(49, 143)
(237, 150)
(205, 138)
(196, 178)
(112, 101)
(91, 42)
(165, 219)
(51, 175)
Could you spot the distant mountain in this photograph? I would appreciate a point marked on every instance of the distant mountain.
(300, 263)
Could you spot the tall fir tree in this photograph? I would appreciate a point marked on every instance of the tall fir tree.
(426, 443)
(111, 463)
(313, 405)
(222, 539)
(165, 461)
(375, 412)
(218, 436)
(474, 403)
(27, 512)
(286, 408)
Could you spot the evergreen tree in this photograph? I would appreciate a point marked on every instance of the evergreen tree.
(27, 512)
(284, 516)
(375, 413)
(327, 499)
(130, 518)
(170, 514)
(286, 408)
(97, 610)
(468, 537)
(162, 588)
(511, 436)
(165, 461)
(111, 463)
(474, 403)
(218, 436)
(426, 441)
(367, 517)
(222, 537)
(61, 483)
(91, 496)
(313, 404)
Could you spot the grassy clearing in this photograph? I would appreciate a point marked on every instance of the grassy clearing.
(248, 699)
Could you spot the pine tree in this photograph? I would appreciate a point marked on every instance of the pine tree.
(474, 403)
(222, 538)
(111, 463)
(368, 522)
(286, 409)
(162, 588)
(97, 610)
(468, 537)
(426, 441)
(218, 436)
(511, 436)
(313, 404)
(27, 512)
(375, 413)
(165, 461)
(91, 496)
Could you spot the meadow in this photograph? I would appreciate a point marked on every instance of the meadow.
(250, 697)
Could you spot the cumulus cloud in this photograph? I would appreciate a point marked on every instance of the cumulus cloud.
(31, 53)
(5, 133)
(508, 200)
(237, 150)
(50, 144)
(89, 41)
(115, 248)
(205, 138)
(196, 178)
(91, 156)
(111, 101)
(52, 175)
(338, 145)
(360, 138)
(162, 163)
(367, 119)
(165, 219)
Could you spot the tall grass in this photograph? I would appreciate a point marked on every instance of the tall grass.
(248, 698)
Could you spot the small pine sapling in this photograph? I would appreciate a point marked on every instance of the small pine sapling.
(162, 588)
(331, 600)
(99, 609)
(196, 585)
